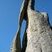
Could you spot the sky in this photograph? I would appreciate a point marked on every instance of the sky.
(9, 14)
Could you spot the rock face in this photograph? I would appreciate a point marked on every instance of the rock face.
(38, 33)
(16, 44)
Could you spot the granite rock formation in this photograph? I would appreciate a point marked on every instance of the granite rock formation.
(38, 33)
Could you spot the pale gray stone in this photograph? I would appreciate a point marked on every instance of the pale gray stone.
(39, 32)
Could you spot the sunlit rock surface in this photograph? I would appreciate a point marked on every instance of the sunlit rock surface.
(39, 33)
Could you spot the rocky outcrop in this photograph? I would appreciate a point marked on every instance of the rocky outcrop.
(38, 32)
(16, 44)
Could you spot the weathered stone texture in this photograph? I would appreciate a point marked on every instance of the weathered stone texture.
(39, 33)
